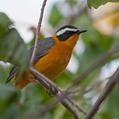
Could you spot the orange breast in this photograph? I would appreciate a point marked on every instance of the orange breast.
(55, 61)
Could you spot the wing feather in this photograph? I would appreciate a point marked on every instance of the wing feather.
(42, 49)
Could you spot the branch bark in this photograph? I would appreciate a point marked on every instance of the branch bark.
(38, 31)
(108, 88)
(54, 90)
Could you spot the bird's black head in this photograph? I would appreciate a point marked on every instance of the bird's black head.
(67, 31)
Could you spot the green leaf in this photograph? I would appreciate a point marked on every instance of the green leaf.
(13, 49)
(9, 98)
(5, 22)
(4, 73)
(55, 16)
(97, 3)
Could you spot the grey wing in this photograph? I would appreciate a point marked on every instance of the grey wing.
(42, 49)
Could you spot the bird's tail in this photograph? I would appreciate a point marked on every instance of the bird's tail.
(12, 74)
(18, 81)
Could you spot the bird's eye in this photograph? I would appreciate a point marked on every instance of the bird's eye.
(68, 32)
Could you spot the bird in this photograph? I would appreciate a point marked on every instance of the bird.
(52, 56)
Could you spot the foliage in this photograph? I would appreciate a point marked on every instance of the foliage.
(29, 102)
(95, 3)
(12, 46)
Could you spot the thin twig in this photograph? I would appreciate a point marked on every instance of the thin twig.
(38, 31)
(108, 88)
(99, 62)
(54, 90)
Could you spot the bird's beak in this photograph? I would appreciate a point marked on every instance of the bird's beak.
(82, 31)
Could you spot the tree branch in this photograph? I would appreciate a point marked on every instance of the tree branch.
(38, 31)
(54, 90)
(108, 88)
(99, 62)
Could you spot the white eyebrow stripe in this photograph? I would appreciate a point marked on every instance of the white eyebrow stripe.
(66, 29)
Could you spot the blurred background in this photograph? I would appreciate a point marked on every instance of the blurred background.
(101, 20)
